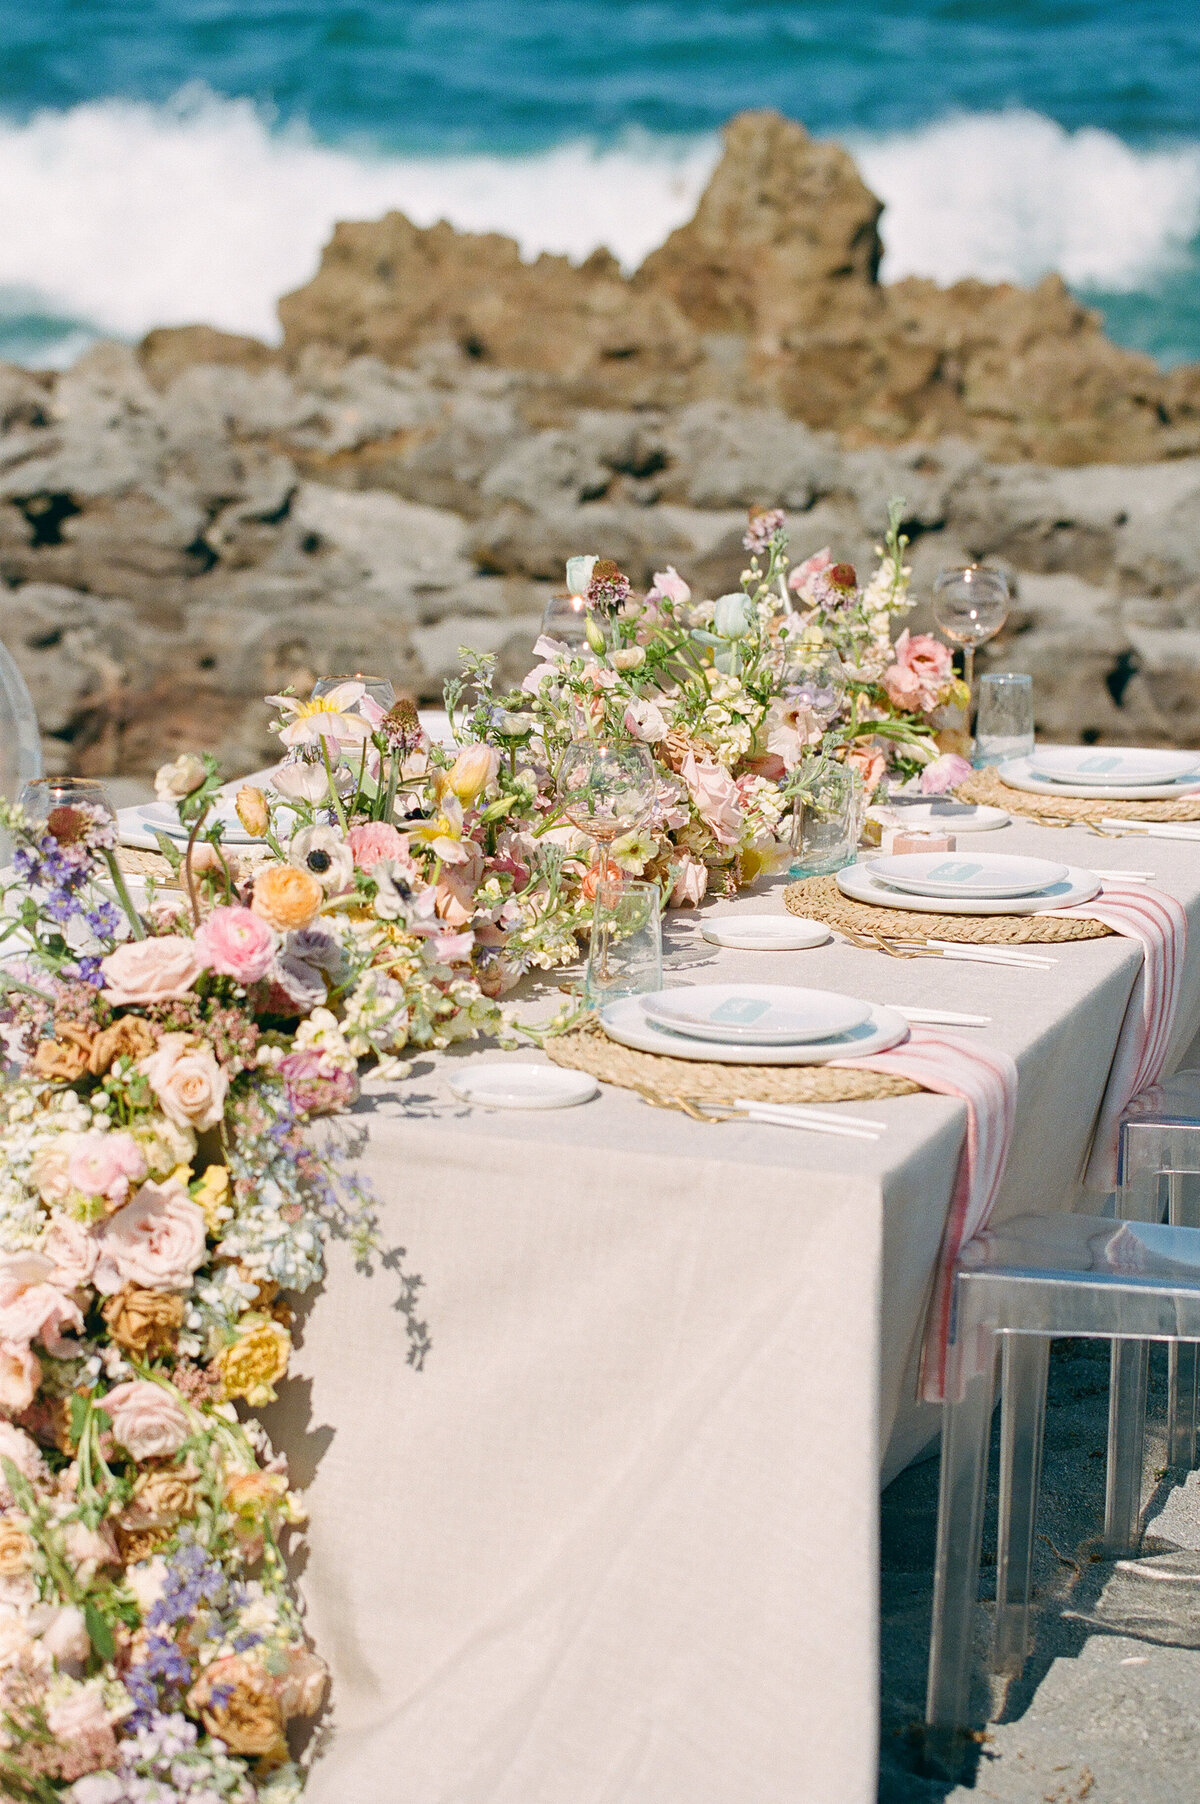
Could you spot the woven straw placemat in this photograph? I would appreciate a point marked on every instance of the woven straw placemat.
(685, 1083)
(989, 787)
(821, 898)
(147, 864)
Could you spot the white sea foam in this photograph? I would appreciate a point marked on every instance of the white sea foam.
(126, 215)
(1008, 196)
(131, 216)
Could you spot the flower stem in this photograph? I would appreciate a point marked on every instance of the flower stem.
(334, 797)
(136, 925)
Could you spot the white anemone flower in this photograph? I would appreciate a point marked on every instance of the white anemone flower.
(324, 854)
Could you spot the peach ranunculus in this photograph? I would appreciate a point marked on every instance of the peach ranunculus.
(155, 1242)
(147, 1419)
(922, 669)
(870, 765)
(32, 1307)
(72, 1251)
(372, 840)
(286, 897)
(20, 1376)
(716, 799)
(187, 1080)
(142, 971)
(236, 943)
(106, 1164)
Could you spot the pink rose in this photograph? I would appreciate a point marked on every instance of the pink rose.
(105, 1165)
(32, 1307)
(236, 943)
(72, 1251)
(870, 766)
(372, 840)
(159, 970)
(690, 881)
(946, 772)
(155, 1242)
(715, 795)
(187, 1080)
(22, 1450)
(20, 1375)
(315, 1084)
(146, 1419)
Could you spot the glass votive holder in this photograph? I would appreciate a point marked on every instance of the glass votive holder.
(380, 689)
(41, 796)
(827, 820)
(625, 954)
(1004, 723)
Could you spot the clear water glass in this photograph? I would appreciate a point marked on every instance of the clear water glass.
(380, 689)
(827, 821)
(565, 619)
(1004, 723)
(625, 954)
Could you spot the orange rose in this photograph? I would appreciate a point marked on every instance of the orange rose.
(287, 898)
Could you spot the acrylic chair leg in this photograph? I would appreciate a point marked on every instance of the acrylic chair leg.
(1126, 1445)
(966, 1428)
(1183, 1357)
(1025, 1360)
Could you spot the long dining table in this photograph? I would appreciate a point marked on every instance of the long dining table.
(616, 1541)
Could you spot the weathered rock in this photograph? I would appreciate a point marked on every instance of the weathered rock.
(768, 296)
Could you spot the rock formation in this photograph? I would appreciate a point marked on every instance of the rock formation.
(187, 526)
(769, 297)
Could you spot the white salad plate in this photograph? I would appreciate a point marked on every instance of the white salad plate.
(627, 1022)
(523, 1086)
(1106, 765)
(1017, 773)
(1079, 886)
(985, 876)
(930, 813)
(766, 933)
(160, 817)
(755, 1014)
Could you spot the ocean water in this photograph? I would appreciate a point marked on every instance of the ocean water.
(163, 161)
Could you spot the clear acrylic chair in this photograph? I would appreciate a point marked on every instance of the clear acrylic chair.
(1159, 1176)
(1017, 1287)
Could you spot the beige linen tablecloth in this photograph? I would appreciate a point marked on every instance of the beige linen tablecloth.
(617, 1542)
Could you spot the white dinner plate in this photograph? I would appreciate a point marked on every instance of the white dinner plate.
(766, 933)
(755, 1014)
(982, 875)
(1109, 764)
(523, 1086)
(627, 1022)
(160, 817)
(1016, 772)
(1080, 886)
(930, 813)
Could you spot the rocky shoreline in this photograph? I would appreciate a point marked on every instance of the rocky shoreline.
(187, 525)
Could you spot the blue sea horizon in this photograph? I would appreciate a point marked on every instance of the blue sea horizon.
(173, 161)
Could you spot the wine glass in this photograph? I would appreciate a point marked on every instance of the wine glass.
(378, 688)
(607, 787)
(970, 605)
(565, 619)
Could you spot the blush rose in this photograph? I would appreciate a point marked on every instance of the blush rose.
(142, 971)
(146, 1419)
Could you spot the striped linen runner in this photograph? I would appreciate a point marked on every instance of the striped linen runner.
(1159, 922)
(986, 1080)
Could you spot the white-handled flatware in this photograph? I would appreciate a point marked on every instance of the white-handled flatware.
(993, 955)
(1124, 876)
(1154, 829)
(794, 1115)
(939, 1017)
(801, 1111)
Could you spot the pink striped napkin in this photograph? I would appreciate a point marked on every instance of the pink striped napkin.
(986, 1080)
(1159, 922)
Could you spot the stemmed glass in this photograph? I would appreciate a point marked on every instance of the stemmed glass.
(565, 619)
(970, 605)
(607, 787)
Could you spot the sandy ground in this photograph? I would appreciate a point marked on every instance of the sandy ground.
(1108, 1707)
